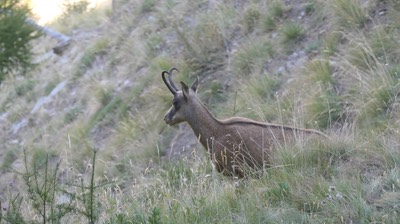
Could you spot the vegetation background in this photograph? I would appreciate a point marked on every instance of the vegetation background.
(83, 137)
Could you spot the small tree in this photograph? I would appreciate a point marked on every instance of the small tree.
(15, 34)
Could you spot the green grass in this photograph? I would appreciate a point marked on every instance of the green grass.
(256, 98)
(111, 106)
(303, 181)
(370, 51)
(331, 42)
(252, 56)
(76, 7)
(350, 13)
(276, 9)
(205, 44)
(269, 23)
(147, 6)
(96, 49)
(292, 32)
(326, 107)
(100, 152)
(25, 87)
(80, 14)
(274, 14)
(72, 114)
(375, 80)
(153, 46)
(9, 158)
(310, 7)
(251, 19)
(320, 71)
(326, 110)
(52, 201)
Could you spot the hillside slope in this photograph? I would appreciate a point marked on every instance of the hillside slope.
(329, 65)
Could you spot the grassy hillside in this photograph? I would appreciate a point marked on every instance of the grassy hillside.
(83, 137)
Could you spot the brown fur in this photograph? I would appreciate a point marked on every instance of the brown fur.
(235, 145)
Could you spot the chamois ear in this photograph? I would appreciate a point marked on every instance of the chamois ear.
(185, 90)
(195, 84)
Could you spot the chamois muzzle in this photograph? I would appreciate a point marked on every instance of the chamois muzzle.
(168, 118)
(171, 117)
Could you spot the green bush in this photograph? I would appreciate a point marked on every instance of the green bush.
(15, 35)
(77, 7)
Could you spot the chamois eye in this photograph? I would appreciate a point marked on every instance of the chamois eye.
(175, 103)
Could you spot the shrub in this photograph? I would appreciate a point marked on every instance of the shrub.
(15, 35)
(75, 6)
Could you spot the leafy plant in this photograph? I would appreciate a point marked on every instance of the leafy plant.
(87, 196)
(13, 213)
(41, 181)
(51, 200)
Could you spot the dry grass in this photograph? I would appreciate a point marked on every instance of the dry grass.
(114, 101)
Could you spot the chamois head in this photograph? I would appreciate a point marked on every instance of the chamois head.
(182, 99)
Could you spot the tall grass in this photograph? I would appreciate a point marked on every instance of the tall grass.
(348, 88)
(50, 200)
(350, 13)
(252, 57)
(291, 32)
(326, 107)
(374, 80)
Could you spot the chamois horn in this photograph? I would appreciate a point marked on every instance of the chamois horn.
(170, 78)
(170, 83)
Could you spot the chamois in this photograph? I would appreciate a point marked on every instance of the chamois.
(234, 144)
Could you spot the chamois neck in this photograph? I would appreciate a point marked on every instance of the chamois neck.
(203, 123)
